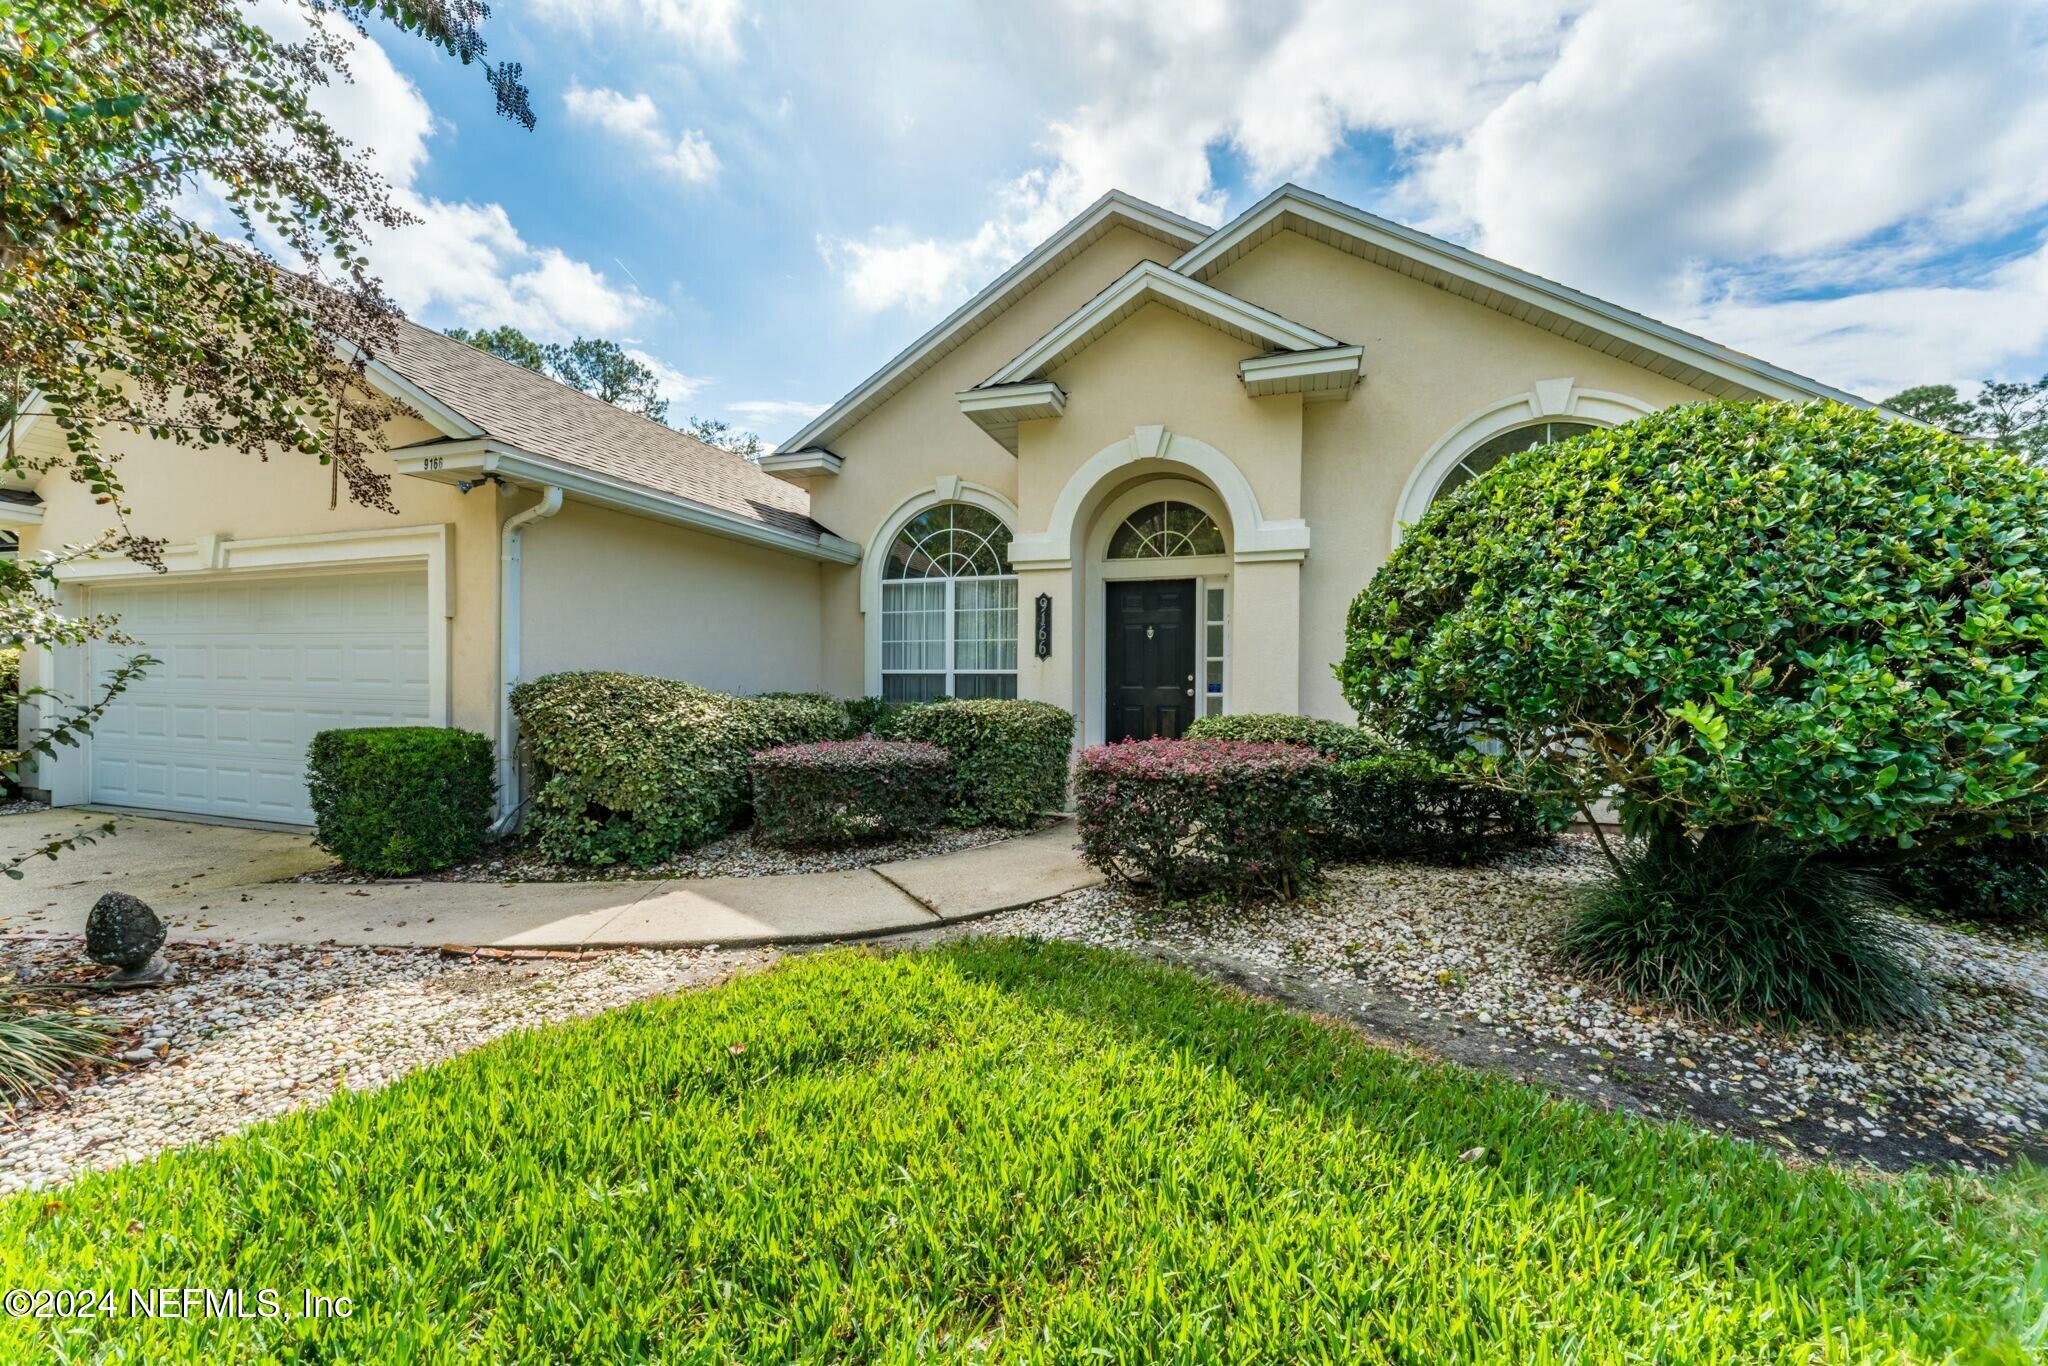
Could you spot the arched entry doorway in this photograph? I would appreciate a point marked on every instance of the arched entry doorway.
(1159, 568)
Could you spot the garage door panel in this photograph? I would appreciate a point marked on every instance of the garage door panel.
(252, 671)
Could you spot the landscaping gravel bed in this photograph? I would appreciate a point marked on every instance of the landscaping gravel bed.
(1462, 962)
(734, 855)
(252, 1031)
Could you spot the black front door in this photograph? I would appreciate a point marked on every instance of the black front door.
(1151, 664)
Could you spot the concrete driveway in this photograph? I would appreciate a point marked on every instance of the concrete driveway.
(158, 860)
(221, 882)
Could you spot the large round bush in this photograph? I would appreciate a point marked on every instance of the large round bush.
(1805, 617)
(1803, 623)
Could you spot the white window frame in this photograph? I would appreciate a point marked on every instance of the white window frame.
(953, 670)
(1204, 587)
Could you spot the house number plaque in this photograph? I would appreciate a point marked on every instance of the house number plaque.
(1043, 633)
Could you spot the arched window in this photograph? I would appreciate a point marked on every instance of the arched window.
(1493, 450)
(949, 608)
(1166, 531)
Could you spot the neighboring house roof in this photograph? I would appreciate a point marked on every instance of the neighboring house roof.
(1115, 209)
(1655, 346)
(493, 398)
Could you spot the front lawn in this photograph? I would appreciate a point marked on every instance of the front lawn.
(1016, 1150)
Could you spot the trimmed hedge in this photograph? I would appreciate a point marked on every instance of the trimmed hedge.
(1411, 806)
(634, 769)
(1009, 757)
(871, 715)
(843, 791)
(1191, 818)
(1331, 739)
(843, 709)
(401, 800)
(1994, 882)
(1392, 804)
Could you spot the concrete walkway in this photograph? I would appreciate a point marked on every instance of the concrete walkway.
(672, 913)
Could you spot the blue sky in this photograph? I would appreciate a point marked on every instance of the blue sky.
(767, 201)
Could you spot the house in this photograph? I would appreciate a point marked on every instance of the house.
(1140, 475)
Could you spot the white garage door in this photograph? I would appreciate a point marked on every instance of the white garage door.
(251, 669)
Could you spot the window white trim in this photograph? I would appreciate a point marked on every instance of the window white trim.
(1548, 400)
(952, 670)
(875, 562)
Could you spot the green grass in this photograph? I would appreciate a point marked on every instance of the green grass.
(1017, 1151)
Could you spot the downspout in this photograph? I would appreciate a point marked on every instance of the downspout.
(509, 611)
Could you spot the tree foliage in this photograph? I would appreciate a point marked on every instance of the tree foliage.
(600, 368)
(2011, 416)
(118, 313)
(725, 436)
(1806, 618)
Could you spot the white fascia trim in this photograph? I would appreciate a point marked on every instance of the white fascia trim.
(437, 414)
(1330, 373)
(1463, 263)
(997, 411)
(812, 460)
(1115, 204)
(19, 515)
(444, 460)
(1148, 281)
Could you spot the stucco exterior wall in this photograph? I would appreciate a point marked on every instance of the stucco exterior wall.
(919, 435)
(181, 495)
(606, 590)
(1431, 361)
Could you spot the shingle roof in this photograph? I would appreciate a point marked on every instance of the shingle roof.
(549, 419)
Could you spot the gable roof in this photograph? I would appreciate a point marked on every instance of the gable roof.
(1113, 210)
(1656, 346)
(474, 394)
(1148, 282)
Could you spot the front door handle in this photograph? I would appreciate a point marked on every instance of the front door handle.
(1191, 692)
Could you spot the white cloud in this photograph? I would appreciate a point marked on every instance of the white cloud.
(635, 120)
(1711, 163)
(464, 261)
(675, 386)
(705, 28)
(768, 411)
(1880, 341)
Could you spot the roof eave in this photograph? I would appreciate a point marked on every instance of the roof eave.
(1464, 264)
(464, 461)
(1147, 282)
(1162, 223)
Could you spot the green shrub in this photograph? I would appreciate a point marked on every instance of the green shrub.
(1992, 882)
(10, 714)
(1803, 617)
(402, 799)
(872, 715)
(1009, 757)
(1741, 924)
(1331, 739)
(839, 709)
(1412, 806)
(634, 769)
(1386, 803)
(37, 1045)
(844, 791)
(1191, 818)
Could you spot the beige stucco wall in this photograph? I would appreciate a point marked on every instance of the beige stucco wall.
(180, 495)
(1431, 361)
(604, 589)
(919, 435)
